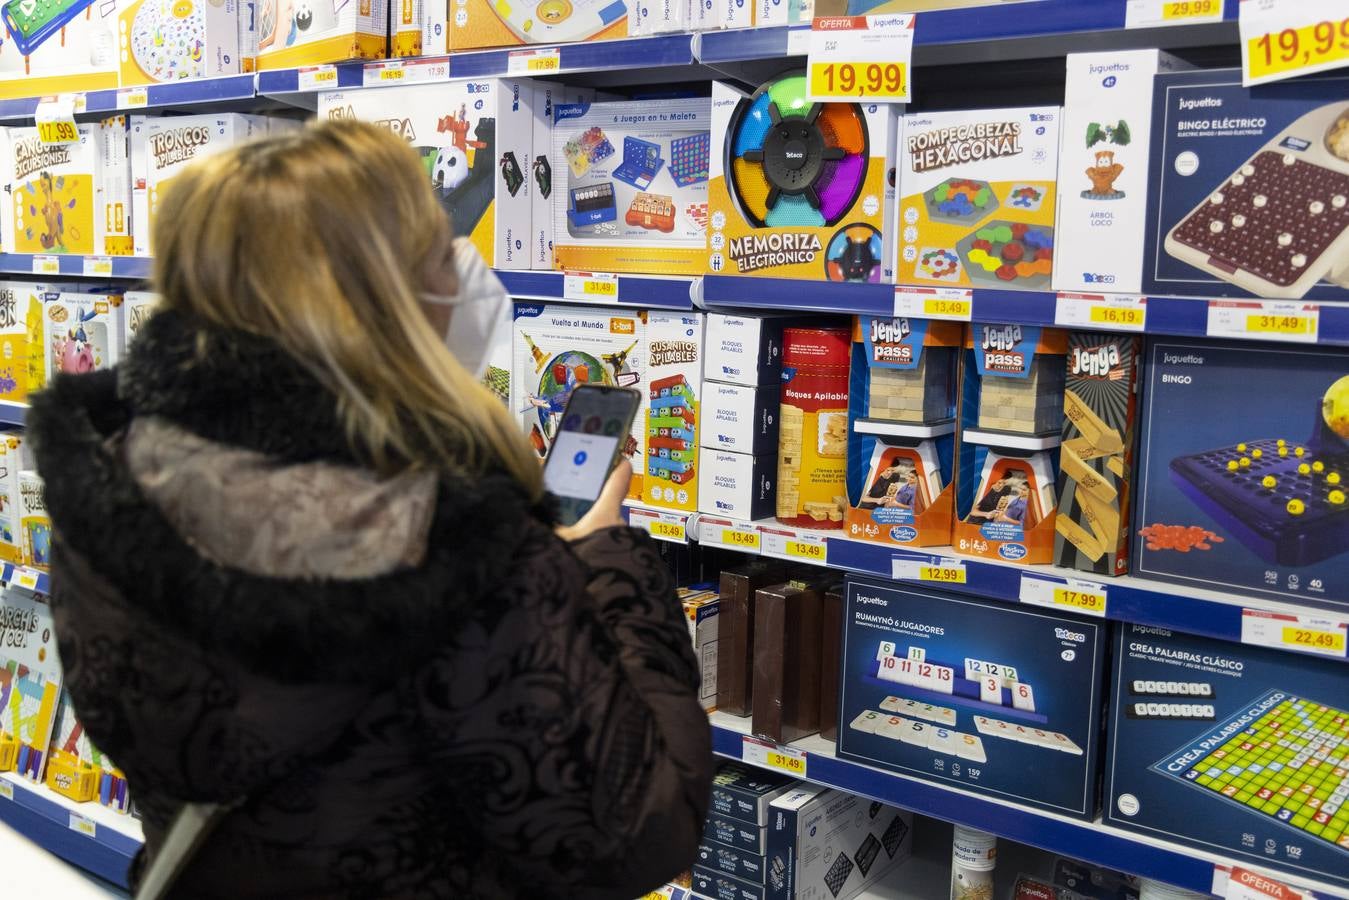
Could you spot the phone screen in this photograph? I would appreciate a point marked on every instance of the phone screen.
(595, 425)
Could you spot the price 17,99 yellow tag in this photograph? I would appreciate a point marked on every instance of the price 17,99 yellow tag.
(860, 56)
(1087, 601)
(1284, 38)
(55, 120)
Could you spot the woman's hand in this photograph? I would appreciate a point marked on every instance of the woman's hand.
(608, 509)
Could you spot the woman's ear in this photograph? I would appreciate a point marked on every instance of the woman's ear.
(439, 315)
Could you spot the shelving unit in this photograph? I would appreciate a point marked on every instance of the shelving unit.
(85, 834)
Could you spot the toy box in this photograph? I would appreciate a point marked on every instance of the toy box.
(724, 860)
(540, 166)
(827, 845)
(53, 198)
(79, 770)
(84, 332)
(674, 384)
(786, 690)
(744, 348)
(736, 834)
(631, 192)
(56, 48)
(171, 40)
(1106, 132)
(701, 609)
(558, 347)
(1248, 496)
(138, 159)
(740, 792)
(474, 137)
(1096, 456)
(435, 27)
(1248, 188)
(35, 526)
(741, 419)
(813, 429)
(496, 23)
(30, 687)
(1231, 749)
(23, 366)
(248, 35)
(831, 642)
(884, 7)
(717, 885)
(735, 633)
(11, 461)
(137, 307)
(175, 143)
(901, 439)
(1001, 700)
(406, 29)
(737, 485)
(112, 139)
(1011, 415)
(978, 198)
(800, 190)
(309, 32)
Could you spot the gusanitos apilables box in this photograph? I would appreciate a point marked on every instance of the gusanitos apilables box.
(800, 189)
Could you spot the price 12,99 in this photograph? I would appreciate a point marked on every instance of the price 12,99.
(872, 80)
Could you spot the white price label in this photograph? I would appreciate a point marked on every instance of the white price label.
(725, 533)
(1266, 320)
(83, 824)
(670, 527)
(26, 579)
(534, 62)
(1157, 13)
(317, 78)
(1243, 884)
(55, 119)
(46, 265)
(1310, 634)
(98, 266)
(932, 569)
(769, 755)
(794, 545)
(6, 789)
(133, 98)
(956, 304)
(860, 56)
(1085, 597)
(397, 71)
(1116, 312)
(798, 42)
(592, 287)
(1285, 38)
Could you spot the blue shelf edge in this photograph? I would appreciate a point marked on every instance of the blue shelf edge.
(13, 414)
(648, 292)
(590, 56)
(74, 266)
(46, 822)
(43, 580)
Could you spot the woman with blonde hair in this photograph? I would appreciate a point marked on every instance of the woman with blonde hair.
(307, 588)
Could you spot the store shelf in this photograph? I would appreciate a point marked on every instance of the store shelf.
(154, 97)
(658, 51)
(68, 265)
(87, 835)
(24, 577)
(1089, 841)
(13, 413)
(646, 291)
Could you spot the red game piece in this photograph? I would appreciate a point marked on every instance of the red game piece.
(1006, 272)
(982, 245)
(1044, 253)
(1019, 230)
(1013, 251)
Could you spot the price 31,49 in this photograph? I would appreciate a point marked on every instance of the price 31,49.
(860, 79)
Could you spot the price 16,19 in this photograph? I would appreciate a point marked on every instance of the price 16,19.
(871, 79)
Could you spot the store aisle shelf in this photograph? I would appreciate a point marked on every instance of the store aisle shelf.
(13, 413)
(151, 98)
(68, 265)
(87, 835)
(24, 577)
(657, 51)
(1090, 841)
(646, 291)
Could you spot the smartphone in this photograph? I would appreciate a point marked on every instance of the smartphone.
(595, 426)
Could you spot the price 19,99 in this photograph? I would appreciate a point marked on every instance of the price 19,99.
(1291, 50)
(874, 80)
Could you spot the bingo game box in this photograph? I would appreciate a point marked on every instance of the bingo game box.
(310, 32)
(901, 430)
(1001, 700)
(978, 198)
(631, 186)
(1232, 749)
(474, 138)
(800, 189)
(506, 23)
(1249, 496)
(1250, 188)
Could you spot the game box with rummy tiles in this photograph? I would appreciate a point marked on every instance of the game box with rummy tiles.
(1249, 192)
(1001, 700)
(1243, 480)
(977, 198)
(1235, 750)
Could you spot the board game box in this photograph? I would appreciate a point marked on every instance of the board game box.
(84, 332)
(311, 32)
(30, 683)
(1237, 750)
(52, 199)
(475, 139)
(79, 770)
(1000, 700)
(1248, 188)
(11, 461)
(673, 409)
(170, 40)
(1249, 496)
(978, 198)
(58, 47)
(492, 23)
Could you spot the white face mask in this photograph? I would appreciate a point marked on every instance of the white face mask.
(481, 314)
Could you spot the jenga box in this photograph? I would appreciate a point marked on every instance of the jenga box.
(901, 411)
(1011, 411)
(1097, 454)
(675, 370)
(813, 430)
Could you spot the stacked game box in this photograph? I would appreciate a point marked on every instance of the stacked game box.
(702, 607)
(1000, 700)
(731, 860)
(813, 429)
(170, 40)
(675, 360)
(309, 32)
(1231, 749)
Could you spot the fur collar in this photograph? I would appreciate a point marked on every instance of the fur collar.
(219, 386)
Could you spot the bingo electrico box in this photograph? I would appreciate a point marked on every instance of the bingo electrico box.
(1233, 749)
(1249, 494)
(1250, 188)
(1002, 700)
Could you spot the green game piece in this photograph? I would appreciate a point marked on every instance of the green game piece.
(1002, 234)
(981, 198)
(943, 191)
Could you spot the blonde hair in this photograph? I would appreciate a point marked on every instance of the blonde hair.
(317, 239)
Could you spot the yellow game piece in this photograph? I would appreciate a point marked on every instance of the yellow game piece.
(1257, 453)
(1245, 462)
(1296, 507)
(1304, 469)
(1232, 465)
(1318, 466)
(1336, 498)
(1269, 481)
(1332, 478)
(1281, 442)
(1283, 451)
(1241, 448)
(1299, 452)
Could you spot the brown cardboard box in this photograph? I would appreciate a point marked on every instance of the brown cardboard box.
(786, 689)
(735, 633)
(831, 660)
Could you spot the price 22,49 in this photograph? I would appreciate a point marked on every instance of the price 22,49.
(869, 79)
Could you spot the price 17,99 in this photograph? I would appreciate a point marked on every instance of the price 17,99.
(874, 80)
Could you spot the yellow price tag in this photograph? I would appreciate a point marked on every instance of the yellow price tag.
(46, 265)
(874, 80)
(549, 63)
(942, 574)
(1085, 601)
(1317, 45)
(1128, 316)
(809, 550)
(1267, 324)
(600, 287)
(324, 76)
(956, 309)
(1311, 638)
(391, 74)
(1190, 9)
(670, 531)
(57, 132)
(83, 825)
(6, 789)
(741, 540)
(26, 579)
(791, 763)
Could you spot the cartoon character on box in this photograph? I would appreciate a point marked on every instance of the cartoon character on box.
(1106, 170)
(296, 18)
(73, 352)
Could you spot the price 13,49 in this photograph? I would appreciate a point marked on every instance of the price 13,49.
(1318, 44)
(874, 80)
